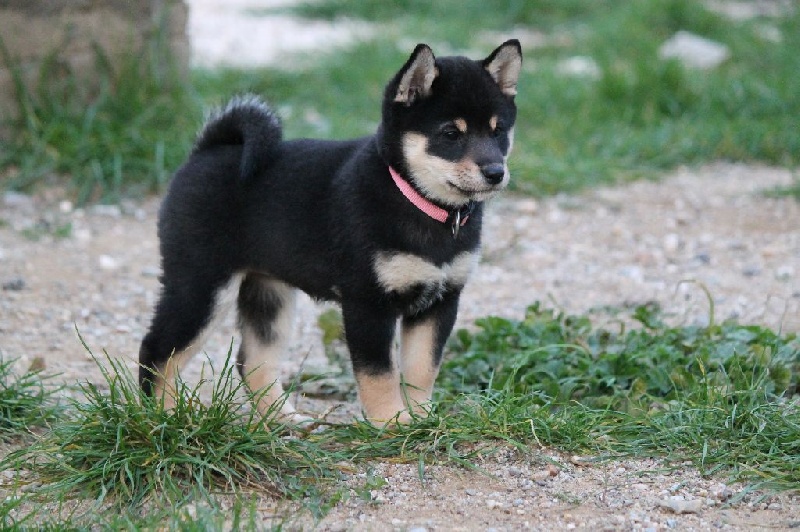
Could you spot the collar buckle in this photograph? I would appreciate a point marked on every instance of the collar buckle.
(459, 217)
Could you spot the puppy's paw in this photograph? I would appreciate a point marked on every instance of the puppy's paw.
(402, 417)
(299, 421)
(421, 410)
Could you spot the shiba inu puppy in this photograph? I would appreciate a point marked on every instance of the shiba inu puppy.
(387, 225)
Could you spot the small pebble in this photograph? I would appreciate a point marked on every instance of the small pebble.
(14, 285)
(37, 364)
(112, 211)
(17, 199)
(514, 471)
(671, 242)
(108, 262)
(580, 460)
(681, 506)
(784, 273)
(151, 271)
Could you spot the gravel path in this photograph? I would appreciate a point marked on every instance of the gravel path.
(96, 269)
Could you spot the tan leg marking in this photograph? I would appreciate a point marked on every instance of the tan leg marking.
(418, 368)
(381, 398)
(262, 359)
(164, 385)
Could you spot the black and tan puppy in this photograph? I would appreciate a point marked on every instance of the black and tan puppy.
(388, 225)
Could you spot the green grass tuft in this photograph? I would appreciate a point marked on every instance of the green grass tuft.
(25, 401)
(121, 448)
(722, 395)
(564, 358)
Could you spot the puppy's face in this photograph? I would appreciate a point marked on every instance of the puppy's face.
(460, 160)
(455, 119)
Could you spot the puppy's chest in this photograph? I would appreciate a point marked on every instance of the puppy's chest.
(417, 283)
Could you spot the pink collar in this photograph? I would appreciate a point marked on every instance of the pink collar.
(459, 216)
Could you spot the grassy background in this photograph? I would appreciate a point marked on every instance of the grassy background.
(640, 117)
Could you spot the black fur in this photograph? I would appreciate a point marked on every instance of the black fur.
(315, 214)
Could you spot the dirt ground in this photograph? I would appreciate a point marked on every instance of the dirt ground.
(96, 269)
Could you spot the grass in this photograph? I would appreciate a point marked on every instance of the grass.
(26, 402)
(119, 449)
(122, 134)
(721, 396)
(791, 191)
(640, 117)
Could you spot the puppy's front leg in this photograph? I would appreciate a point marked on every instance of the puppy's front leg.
(422, 342)
(369, 333)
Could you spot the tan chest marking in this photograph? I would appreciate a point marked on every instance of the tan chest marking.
(402, 271)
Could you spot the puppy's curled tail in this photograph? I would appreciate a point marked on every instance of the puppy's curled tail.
(245, 120)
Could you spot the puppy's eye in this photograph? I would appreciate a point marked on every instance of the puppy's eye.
(499, 130)
(451, 133)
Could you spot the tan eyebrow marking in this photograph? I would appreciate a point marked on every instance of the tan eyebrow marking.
(461, 124)
(493, 122)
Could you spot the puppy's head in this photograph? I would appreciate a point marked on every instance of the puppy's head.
(448, 123)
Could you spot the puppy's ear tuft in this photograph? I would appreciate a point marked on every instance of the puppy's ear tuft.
(504, 65)
(416, 76)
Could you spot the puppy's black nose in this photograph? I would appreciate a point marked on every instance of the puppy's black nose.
(493, 173)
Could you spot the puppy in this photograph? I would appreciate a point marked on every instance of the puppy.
(387, 225)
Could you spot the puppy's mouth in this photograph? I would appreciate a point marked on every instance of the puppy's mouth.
(473, 191)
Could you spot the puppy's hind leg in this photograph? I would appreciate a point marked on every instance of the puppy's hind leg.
(186, 312)
(266, 318)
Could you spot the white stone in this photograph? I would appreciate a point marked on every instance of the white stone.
(579, 66)
(680, 506)
(672, 241)
(694, 51)
(107, 262)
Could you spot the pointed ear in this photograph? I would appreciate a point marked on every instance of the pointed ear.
(416, 76)
(504, 65)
